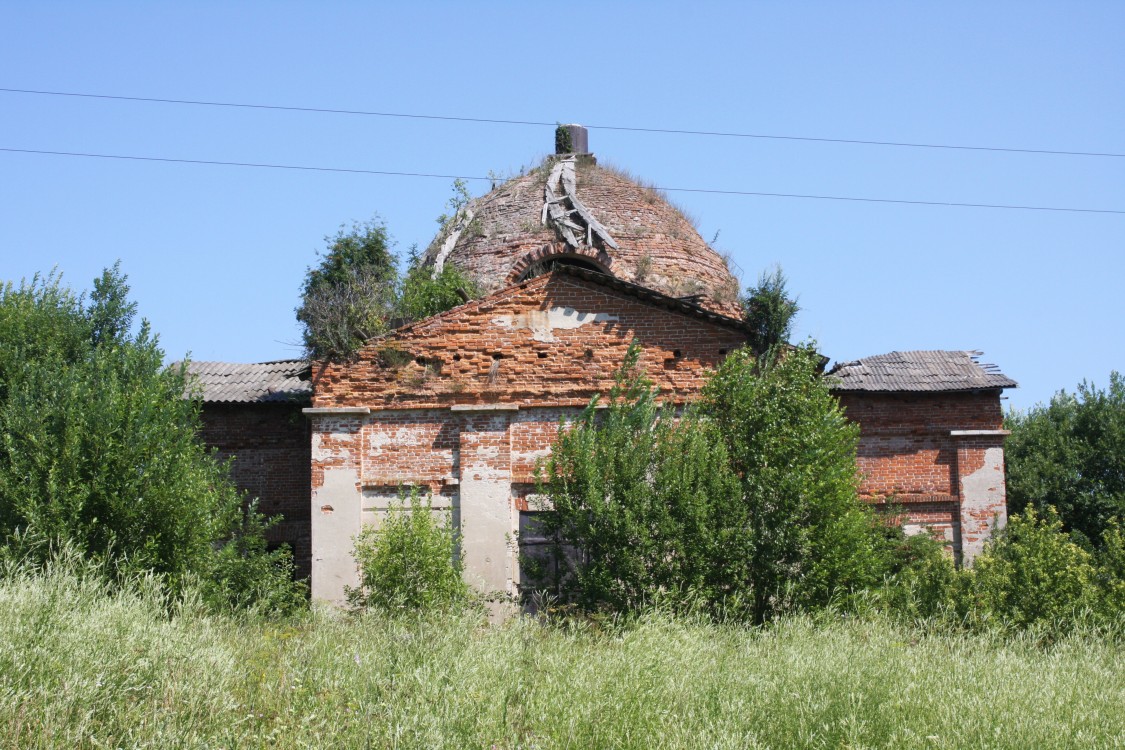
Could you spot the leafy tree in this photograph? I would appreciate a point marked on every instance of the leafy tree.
(803, 536)
(408, 562)
(770, 311)
(746, 504)
(355, 293)
(637, 495)
(1070, 455)
(99, 451)
(350, 296)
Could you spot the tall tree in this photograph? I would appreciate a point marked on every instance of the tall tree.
(350, 296)
(802, 536)
(1070, 454)
(355, 292)
(770, 311)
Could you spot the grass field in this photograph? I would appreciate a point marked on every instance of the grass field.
(80, 668)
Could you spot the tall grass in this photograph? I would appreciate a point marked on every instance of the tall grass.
(82, 666)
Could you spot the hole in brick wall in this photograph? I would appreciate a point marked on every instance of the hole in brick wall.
(498, 356)
(589, 354)
(670, 363)
(676, 353)
(457, 357)
(420, 361)
(722, 352)
(542, 355)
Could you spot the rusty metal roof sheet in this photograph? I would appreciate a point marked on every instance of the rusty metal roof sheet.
(283, 381)
(932, 371)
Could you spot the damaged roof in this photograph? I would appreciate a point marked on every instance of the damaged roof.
(932, 371)
(284, 381)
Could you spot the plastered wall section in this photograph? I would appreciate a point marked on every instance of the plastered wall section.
(337, 500)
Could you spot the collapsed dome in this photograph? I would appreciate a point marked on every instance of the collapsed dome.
(570, 210)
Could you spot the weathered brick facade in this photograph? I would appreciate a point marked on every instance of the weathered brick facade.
(468, 402)
(916, 450)
(577, 262)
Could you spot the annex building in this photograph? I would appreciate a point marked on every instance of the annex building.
(575, 262)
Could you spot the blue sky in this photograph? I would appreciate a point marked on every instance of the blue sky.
(215, 255)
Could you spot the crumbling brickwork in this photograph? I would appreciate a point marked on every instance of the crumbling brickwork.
(555, 340)
(657, 246)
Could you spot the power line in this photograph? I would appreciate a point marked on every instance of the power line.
(346, 170)
(670, 131)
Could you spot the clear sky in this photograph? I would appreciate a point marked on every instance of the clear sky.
(216, 254)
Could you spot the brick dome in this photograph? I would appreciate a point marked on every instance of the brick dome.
(571, 210)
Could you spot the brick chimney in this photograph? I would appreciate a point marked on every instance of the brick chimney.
(571, 139)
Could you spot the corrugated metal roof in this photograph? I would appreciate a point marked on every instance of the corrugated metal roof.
(919, 371)
(257, 383)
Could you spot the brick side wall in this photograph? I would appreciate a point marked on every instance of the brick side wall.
(908, 453)
(905, 443)
(270, 447)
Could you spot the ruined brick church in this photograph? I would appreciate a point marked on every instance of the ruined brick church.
(575, 262)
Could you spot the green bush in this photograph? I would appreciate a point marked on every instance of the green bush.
(745, 505)
(1031, 573)
(424, 294)
(99, 449)
(1111, 571)
(637, 495)
(922, 582)
(409, 562)
(799, 538)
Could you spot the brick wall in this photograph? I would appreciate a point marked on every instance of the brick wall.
(910, 453)
(270, 447)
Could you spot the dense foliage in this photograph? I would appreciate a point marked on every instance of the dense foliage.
(350, 296)
(355, 292)
(1070, 454)
(770, 311)
(801, 536)
(424, 293)
(98, 451)
(746, 504)
(408, 563)
(637, 496)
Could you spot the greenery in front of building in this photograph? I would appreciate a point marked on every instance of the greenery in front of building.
(409, 562)
(99, 453)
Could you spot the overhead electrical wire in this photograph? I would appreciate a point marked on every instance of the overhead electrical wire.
(635, 129)
(348, 170)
